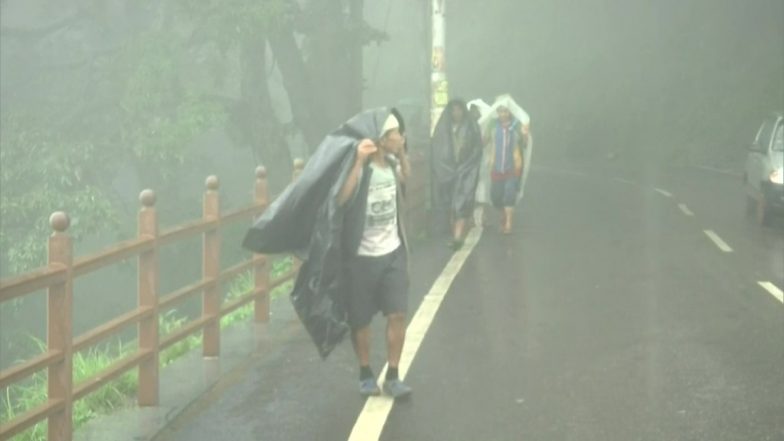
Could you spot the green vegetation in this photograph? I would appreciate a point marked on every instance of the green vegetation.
(123, 104)
(145, 111)
(122, 391)
(138, 106)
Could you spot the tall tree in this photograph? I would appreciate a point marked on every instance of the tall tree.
(129, 87)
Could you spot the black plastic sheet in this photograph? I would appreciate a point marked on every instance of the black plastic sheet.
(307, 221)
(455, 172)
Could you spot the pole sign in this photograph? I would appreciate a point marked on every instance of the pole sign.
(439, 87)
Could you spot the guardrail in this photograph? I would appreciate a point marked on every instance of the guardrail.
(58, 275)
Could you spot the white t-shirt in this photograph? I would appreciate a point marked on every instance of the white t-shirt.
(381, 234)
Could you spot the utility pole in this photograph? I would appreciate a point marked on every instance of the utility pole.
(439, 95)
(356, 81)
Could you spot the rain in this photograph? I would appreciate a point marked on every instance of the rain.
(391, 220)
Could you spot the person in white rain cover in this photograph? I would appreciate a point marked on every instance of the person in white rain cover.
(506, 129)
(478, 109)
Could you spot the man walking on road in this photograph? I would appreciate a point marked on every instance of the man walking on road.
(377, 272)
(456, 155)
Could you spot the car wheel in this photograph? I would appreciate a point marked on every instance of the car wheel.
(762, 212)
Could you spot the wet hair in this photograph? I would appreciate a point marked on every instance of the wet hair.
(457, 102)
(401, 127)
(400, 121)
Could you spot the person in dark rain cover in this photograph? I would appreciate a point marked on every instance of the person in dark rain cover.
(377, 275)
(343, 217)
(455, 161)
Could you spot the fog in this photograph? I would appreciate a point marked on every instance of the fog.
(101, 99)
(666, 81)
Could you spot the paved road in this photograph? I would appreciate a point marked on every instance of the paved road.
(608, 315)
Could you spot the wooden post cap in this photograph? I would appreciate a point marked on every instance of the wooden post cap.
(147, 198)
(59, 221)
(212, 182)
(261, 172)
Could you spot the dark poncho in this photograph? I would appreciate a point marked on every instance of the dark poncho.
(455, 168)
(306, 220)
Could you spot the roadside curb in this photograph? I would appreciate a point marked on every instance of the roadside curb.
(189, 378)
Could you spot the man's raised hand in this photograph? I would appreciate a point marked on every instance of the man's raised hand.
(365, 148)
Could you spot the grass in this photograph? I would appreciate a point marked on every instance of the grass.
(243, 284)
(121, 392)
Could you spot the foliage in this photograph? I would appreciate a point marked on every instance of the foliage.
(42, 172)
(228, 23)
(160, 116)
(87, 364)
(64, 152)
(143, 105)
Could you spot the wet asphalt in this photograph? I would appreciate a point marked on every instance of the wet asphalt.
(607, 315)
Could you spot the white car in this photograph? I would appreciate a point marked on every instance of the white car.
(764, 177)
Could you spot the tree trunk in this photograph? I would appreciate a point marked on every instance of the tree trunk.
(329, 59)
(356, 83)
(306, 103)
(326, 89)
(257, 119)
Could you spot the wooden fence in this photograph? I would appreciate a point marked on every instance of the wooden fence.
(57, 278)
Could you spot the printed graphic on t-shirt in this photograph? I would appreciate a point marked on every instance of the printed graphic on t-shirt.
(381, 205)
(381, 236)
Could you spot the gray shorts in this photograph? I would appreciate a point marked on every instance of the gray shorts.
(377, 284)
(503, 193)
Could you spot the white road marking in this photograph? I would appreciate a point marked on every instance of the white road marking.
(773, 290)
(625, 181)
(718, 170)
(374, 415)
(685, 210)
(663, 192)
(718, 241)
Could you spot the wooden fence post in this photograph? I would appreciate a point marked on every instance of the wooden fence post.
(261, 263)
(299, 164)
(59, 333)
(211, 270)
(148, 273)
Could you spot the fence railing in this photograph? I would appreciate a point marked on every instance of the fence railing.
(58, 275)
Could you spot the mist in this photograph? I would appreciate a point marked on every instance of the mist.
(645, 116)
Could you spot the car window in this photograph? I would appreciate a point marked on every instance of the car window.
(763, 136)
(778, 140)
